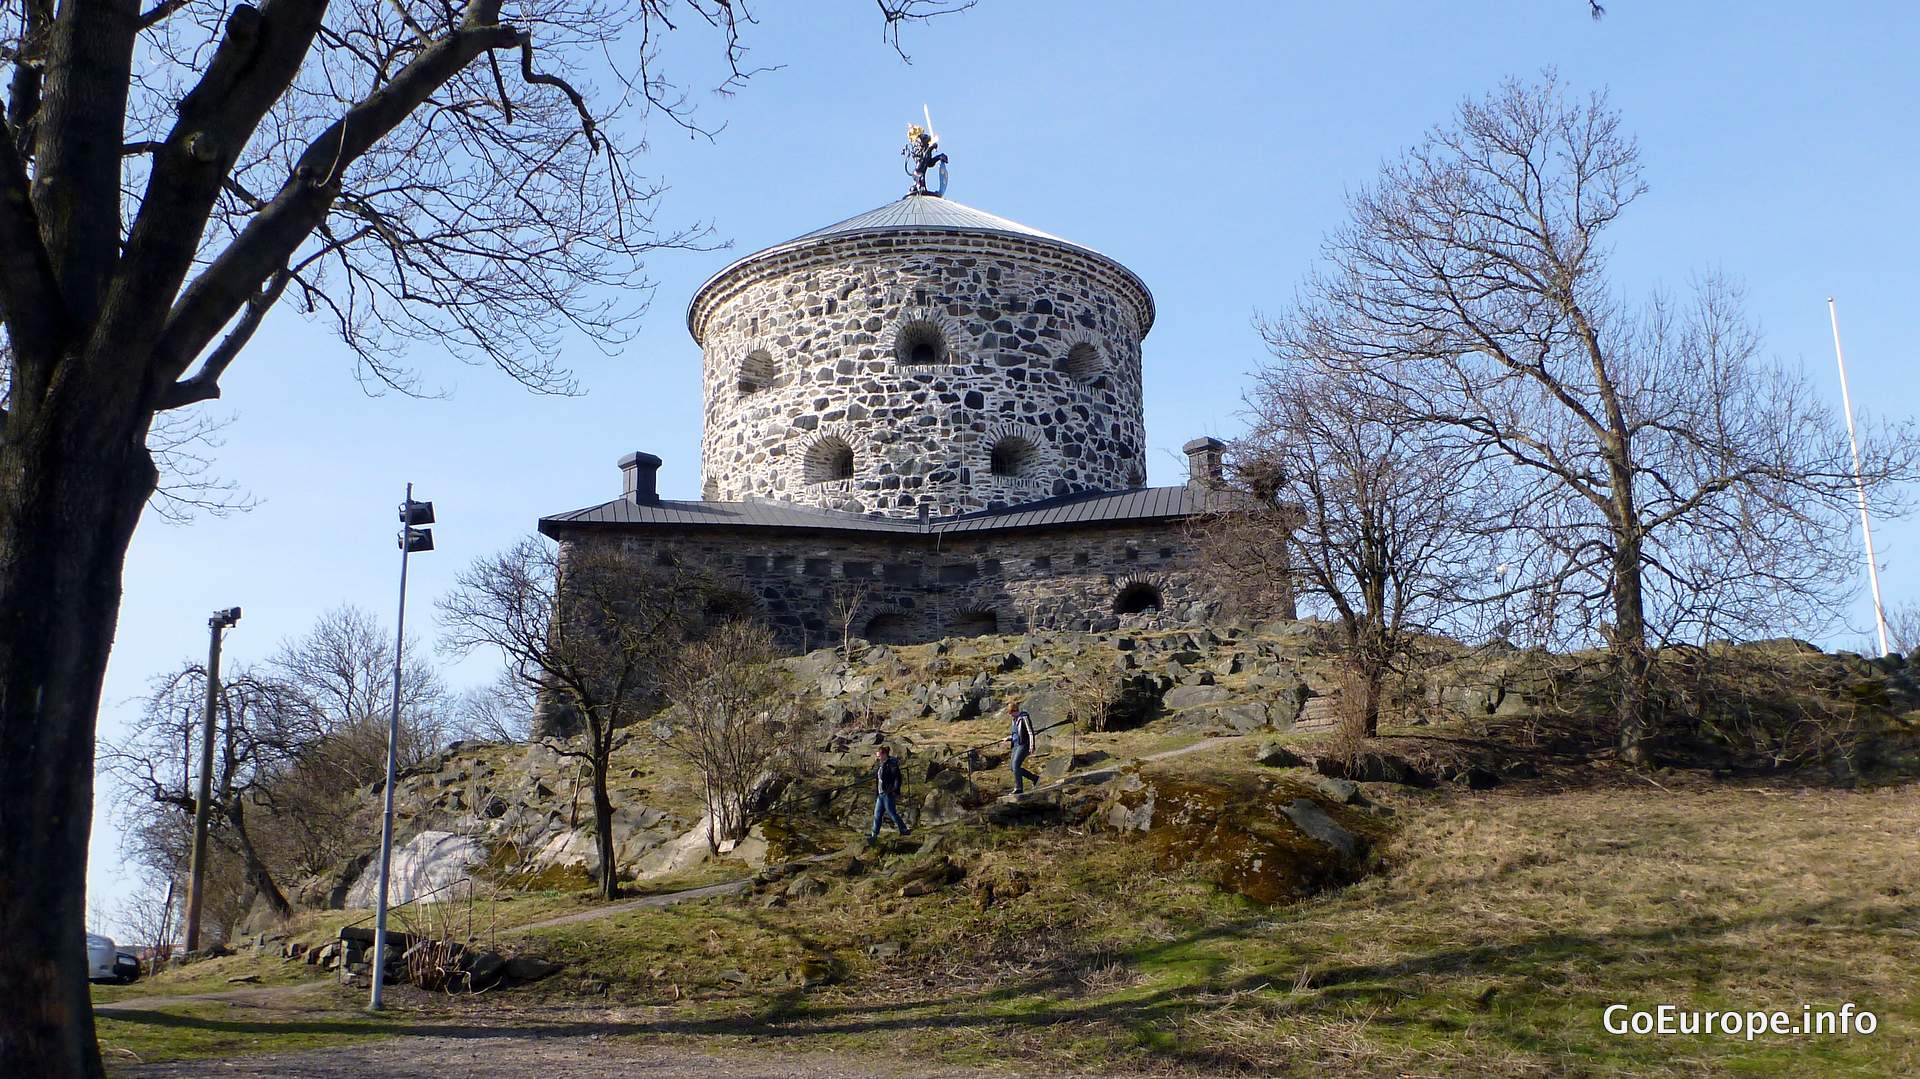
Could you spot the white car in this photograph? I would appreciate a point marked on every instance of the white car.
(102, 958)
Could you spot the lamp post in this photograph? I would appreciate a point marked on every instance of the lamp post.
(414, 536)
(196, 875)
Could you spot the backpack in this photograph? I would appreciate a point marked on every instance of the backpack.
(890, 776)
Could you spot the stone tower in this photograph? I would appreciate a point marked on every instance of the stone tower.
(924, 357)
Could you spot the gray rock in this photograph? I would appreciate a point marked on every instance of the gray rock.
(1194, 696)
(1275, 755)
(1313, 820)
(1344, 791)
(806, 885)
(421, 865)
(527, 968)
(941, 806)
(1371, 767)
(483, 968)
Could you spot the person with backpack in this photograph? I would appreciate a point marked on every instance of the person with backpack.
(886, 774)
(1021, 739)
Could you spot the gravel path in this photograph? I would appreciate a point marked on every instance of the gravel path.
(516, 1054)
(667, 899)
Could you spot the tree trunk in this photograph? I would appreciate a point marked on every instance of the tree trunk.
(1632, 664)
(603, 830)
(71, 491)
(1370, 704)
(259, 878)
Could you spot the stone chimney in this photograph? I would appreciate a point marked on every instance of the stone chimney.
(1205, 462)
(641, 473)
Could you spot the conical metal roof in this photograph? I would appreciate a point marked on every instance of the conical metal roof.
(926, 212)
(918, 213)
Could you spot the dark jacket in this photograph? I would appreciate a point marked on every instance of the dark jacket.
(1021, 736)
(886, 775)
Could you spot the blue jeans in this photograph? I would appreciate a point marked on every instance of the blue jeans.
(883, 808)
(1021, 774)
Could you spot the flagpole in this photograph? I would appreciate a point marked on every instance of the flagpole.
(1859, 484)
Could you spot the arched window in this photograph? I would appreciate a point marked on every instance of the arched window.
(756, 371)
(888, 627)
(1083, 361)
(1137, 597)
(975, 624)
(1013, 456)
(829, 459)
(920, 344)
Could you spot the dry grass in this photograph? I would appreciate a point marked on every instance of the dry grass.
(1502, 926)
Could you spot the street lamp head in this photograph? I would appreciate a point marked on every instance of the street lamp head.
(225, 619)
(416, 540)
(416, 513)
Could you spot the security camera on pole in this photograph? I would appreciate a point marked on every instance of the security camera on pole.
(414, 537)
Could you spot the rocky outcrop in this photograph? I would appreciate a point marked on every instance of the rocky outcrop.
(1228, 681)
(1270, 841)
(427, 863)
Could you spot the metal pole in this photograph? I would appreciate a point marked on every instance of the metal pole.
(197, 873)
(1859, 483)
(377, 972)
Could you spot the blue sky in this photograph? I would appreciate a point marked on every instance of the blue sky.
(1208, 146)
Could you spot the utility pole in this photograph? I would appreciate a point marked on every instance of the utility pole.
(414, 536)
(202, 802)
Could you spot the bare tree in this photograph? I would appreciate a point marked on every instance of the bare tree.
(1092, 689)
(1361, 511)
(262, 728)
(736, 719)
(342, 669)
(849, 599)
(401, 171)
(594, 635)
(1903, 629)
(144, 920)
(1674, 483)
(340, 673)
(499, 711)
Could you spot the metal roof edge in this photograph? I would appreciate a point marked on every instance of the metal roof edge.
(813, 239)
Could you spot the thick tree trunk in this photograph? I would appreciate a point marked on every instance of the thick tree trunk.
(1632, 662)
(1370, 704)
(259, 877)
(71, 491)
(603, 830)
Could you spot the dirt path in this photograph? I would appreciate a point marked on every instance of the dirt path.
(665, 899)
(262, 994)
(514, 1054)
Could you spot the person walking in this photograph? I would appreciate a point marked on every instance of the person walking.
(886, 775)
(1020, 737)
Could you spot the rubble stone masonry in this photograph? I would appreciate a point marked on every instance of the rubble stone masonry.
(914, 587)
(921, 371)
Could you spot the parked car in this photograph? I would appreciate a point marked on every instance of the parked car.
(103, 957)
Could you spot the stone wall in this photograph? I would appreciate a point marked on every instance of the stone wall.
(891, 374)
(915, 588)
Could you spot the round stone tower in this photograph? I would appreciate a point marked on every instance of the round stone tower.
(923, 357)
